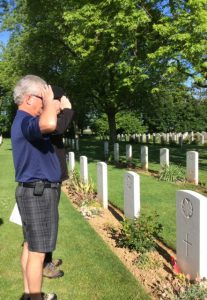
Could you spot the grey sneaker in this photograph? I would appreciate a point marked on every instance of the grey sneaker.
(57, 262)
(49, 296)
(50, 271)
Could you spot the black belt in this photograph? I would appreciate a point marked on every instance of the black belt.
(33, 184)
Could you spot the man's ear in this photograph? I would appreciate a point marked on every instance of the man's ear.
(29, 100)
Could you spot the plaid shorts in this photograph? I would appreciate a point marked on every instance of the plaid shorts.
(39, 217)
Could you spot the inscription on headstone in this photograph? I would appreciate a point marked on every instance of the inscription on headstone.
(191, 237)
(131, 195)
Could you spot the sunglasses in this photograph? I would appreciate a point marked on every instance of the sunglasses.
(38, 97)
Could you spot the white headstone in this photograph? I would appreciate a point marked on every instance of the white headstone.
(77, 144)
(138, 138)
(116, 152)
(128, 152)
(185, 135)
(84, 169)
(106, 149)
(133, 137)
(73, 143)
(205, 134)
(158, 136)
(167, 137)
(173, 137)
(102, 184)
(180, 140)
(71, 158)
(192, 167)
(144, 157)
(164, 157)
(191, 136)
(191, 237)
(131, 195)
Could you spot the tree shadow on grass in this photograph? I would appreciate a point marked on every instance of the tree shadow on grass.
(1, 221)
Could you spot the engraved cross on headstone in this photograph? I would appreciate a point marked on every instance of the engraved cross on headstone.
(187, 243)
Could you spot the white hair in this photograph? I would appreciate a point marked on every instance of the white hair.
(29, 84)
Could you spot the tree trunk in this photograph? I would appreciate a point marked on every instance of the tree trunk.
(112, 125)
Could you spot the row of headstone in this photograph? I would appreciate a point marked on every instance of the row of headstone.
(73, 143)
(163, 138)
(191, 221)
(131, 185)
(192, 168)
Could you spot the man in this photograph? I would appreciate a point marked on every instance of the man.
(37, 171)
(65, 116)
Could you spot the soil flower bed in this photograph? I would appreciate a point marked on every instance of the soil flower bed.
(156, 270)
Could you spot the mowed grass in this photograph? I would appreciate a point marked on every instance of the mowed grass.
(92, 271)
(156, 195)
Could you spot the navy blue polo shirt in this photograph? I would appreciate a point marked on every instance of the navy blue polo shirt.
(33, 154)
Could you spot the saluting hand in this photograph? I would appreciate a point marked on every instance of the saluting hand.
(65, 103)
(47, 95)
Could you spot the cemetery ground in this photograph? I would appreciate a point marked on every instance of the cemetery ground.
(155, 196)
(92, 271)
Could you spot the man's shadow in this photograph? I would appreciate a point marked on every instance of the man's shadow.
(1, 221)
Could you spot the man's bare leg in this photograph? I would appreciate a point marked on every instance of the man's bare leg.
(34, 274)
(24, 258)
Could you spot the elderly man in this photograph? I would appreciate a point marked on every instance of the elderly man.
(38, 173)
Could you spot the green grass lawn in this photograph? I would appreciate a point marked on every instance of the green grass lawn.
(155, 195)
(92, 271)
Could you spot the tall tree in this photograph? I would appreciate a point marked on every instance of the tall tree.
(183, 30)
(112, 39)
(111, 55)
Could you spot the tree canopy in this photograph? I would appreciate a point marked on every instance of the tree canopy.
(110, 55)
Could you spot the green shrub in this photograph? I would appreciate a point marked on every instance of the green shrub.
(140, 234)
(195, 142)
(186, 141)
(171, 173)
(100, 126)
(80, 192)
(126, 122)
(193, 292)
(129, 123)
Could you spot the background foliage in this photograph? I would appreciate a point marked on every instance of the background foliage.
(113, 56)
